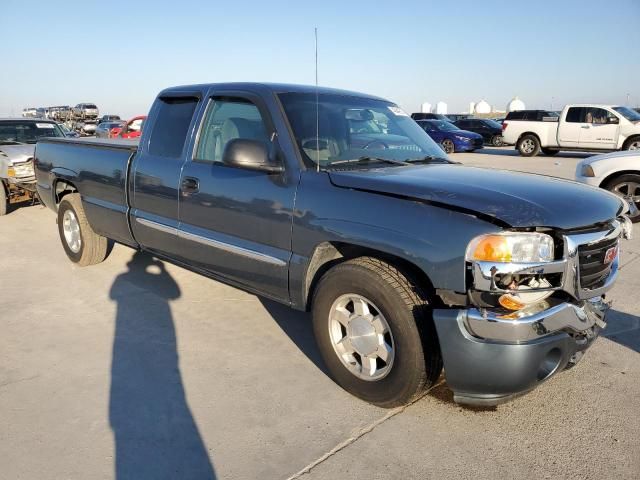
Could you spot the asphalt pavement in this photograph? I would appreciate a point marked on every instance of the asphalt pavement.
(138, 369)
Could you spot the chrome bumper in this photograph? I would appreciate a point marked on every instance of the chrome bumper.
(566, 317)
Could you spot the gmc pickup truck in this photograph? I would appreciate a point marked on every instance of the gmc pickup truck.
(578, 128)
(408, 262)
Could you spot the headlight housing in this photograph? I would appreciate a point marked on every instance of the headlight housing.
(587, 171)
(511, 247)
(464, 139)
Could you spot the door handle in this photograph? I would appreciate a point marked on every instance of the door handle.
(190, 185)
(585, 126)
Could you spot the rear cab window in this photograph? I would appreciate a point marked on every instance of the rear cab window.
(169, 132)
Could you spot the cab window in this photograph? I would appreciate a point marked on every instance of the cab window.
(226, 120)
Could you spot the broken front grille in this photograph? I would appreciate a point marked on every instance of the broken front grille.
(595, 263)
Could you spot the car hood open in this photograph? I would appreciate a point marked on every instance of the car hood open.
(513, 198)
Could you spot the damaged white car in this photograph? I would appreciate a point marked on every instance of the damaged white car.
(18, 139)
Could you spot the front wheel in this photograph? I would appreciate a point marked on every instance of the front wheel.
(632, 144)
(375, 333)
(628, 187)
(448, 146)
(81, 244)
(529, 146)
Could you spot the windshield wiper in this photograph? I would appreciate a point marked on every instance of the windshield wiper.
(429, 159)
(366, 159)
(10, 142)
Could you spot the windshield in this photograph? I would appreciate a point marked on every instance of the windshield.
(627, 113)
(349, 127)
(443, 125)
(27, 132)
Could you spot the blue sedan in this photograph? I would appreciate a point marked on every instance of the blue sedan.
(451, 138)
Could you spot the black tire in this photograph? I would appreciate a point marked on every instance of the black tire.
(93, 247)
(528, 145)
(549, 151)
(417, 360)
(632, 143)
(448, 146)
(497, 141)
(616, 185)
(4, 200)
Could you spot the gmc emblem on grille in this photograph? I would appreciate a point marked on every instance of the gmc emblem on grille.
(610, 255)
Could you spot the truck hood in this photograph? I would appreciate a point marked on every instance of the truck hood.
(516, 199)
(17, 153)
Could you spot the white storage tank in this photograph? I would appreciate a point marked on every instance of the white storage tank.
(426, 107)
(441, 107)
(515, 104)
(482, 107)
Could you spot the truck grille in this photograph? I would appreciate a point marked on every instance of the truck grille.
(593, 269)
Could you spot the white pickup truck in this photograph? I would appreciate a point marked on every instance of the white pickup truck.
(579, 127)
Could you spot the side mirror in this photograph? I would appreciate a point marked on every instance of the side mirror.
(249, 154)
(613, 120)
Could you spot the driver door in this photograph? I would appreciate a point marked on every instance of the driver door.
(602, 130)
(234, 222)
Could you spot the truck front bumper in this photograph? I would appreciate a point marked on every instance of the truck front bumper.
(488, 360)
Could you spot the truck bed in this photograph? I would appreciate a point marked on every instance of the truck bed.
(98, 169)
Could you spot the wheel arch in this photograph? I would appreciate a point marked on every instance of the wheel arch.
(62, 187)
(329, 254)
(615, 174)
(529, 133)
(630, 139)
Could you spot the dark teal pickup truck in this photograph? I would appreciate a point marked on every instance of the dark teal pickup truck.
(339, 203)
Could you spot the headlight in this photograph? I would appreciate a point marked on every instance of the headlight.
(464, 139)
(587, 171)
(511, 247)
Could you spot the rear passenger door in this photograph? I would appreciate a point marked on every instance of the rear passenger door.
(156, 173)
(570, 128)
(234, 222)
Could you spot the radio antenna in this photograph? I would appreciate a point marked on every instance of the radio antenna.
(317, 108)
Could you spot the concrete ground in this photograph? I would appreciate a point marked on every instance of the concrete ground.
(137, 369)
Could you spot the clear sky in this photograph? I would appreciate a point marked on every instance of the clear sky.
(119, 54)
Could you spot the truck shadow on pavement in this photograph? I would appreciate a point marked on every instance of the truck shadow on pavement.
(155, 433)
(624, 329)
(298, 327)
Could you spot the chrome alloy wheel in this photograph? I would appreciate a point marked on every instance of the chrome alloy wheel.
(447, 146)
(528, 146)
(635, 145)
(361, 337)
(630, 191)
(71, 229)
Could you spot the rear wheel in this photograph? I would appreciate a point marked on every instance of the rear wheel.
(448, 146)
(375, 333)
(549, 151)
(81, 244)
(628, 187)
(529, 146)
(497, 141)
